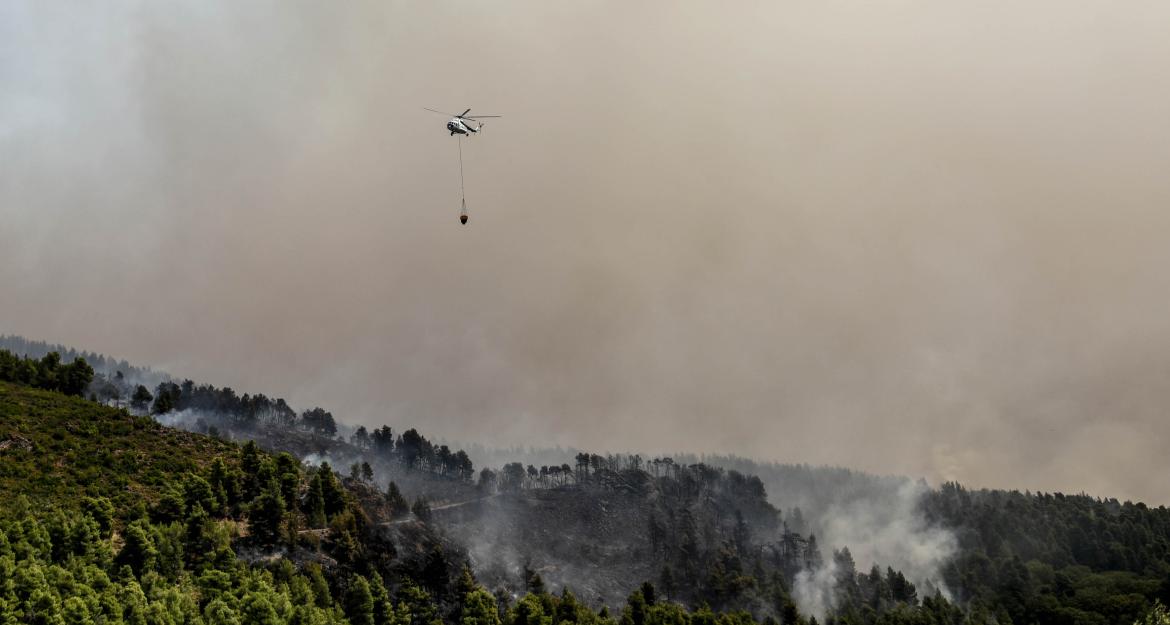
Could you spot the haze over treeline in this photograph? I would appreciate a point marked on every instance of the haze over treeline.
(916, 238)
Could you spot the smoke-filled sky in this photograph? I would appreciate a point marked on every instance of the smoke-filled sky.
(906, 236)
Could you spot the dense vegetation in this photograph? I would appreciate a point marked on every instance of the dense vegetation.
(49, 372)
(120, 519)
(55, 448)
(1055, 558)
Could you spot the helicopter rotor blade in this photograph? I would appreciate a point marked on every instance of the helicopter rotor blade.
(464, 113)
(440, 112)
(481, 116)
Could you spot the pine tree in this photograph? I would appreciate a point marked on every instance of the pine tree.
(250, 463)
(479, 608)
(288, 471)
(528, 611)
(138, 550)
(648, 593)
(267, 515)
(75, 377)
(141, 398)
(331, 490)
(315, 503)
(196, 543)
(635, 611)
(224, 484)
(383, 609)
(256, 609)
(533, 581)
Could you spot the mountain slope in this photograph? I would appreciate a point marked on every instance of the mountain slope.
(703, 535)
(55, 448)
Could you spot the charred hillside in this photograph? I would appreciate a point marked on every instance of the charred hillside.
(694, 531)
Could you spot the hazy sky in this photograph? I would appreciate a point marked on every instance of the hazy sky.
(924, 237)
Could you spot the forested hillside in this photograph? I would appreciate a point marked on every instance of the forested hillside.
(117, 516)
(58, 448)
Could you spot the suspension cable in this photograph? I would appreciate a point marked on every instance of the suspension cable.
(461, 189)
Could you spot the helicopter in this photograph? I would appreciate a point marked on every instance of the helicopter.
(458, 124)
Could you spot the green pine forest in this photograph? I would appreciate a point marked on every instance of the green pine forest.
(111, 517)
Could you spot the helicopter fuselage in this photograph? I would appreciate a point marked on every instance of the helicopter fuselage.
(458, 126)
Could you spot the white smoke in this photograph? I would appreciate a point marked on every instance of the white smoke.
(315, 459)
(886, 530)
(190, 419)
(891, 531)
(813, 590)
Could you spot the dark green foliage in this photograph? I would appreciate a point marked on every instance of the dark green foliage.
(479, 608)
(359, 602)
(198, 539)
(1053, 557)
(101, 509)
(314, 505)
(74, 378)
(225, 484)
(533, 582)
(48, 373)
(635, 610)
(198, 492)
(416, 604)
(331, 491)
(267, 515)
(250, 464)
(36, 587)
(288, 472)
(141, 398)
(343, 540)
(166, 398)
(138, 551)
(383, 608)
(319, 421)
(648, 593)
